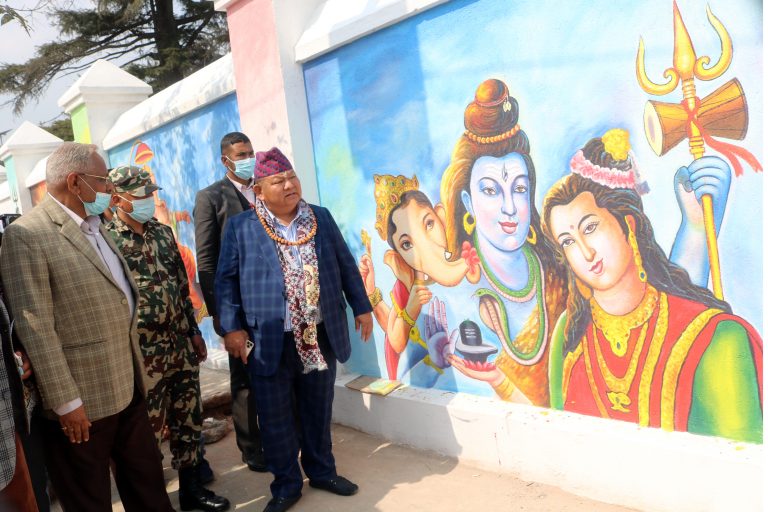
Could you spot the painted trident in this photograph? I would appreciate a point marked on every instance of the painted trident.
(723, 113)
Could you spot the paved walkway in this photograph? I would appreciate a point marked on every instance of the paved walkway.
(392, 478)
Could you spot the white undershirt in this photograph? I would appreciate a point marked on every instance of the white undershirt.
(246, 190)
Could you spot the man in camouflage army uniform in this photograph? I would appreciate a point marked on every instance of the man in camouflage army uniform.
(168, 334)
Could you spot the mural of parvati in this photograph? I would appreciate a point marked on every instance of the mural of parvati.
(639, 341)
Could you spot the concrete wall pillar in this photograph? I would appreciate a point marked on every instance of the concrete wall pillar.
(98, 98)
(21, 152)
(270, 83)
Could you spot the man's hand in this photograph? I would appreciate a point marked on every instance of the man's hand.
(75, 425)
(234, 343)
(364, 325)
(198, 345)
(26, 365)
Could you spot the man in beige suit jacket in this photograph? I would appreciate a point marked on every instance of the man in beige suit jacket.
(73, 301)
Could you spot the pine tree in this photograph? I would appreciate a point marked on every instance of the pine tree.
(9, 14)
(159, 41)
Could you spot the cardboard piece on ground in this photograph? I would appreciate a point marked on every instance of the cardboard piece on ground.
(374, 385)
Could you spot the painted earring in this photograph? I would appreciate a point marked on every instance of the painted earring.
(469, 226)
(531, 238)
(636, 252)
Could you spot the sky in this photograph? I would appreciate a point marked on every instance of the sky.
(16, 46)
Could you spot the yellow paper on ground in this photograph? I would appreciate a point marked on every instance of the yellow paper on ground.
(374, 385)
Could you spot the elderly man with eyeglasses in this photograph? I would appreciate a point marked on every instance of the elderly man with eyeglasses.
(74, 301)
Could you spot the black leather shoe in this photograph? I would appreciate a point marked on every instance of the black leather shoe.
(204, 500)
(337, 485)
(193, 496)
(256, 463)
(281, 504)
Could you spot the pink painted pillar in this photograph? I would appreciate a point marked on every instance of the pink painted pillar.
(270, 84)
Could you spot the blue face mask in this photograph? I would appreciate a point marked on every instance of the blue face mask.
(143, 209)
(98, 205)
(243, 168)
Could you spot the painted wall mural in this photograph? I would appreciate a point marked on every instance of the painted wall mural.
(183, 157)
(38, 192)
(530, 226)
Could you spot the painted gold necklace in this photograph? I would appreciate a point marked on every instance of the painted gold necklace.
(617, 328)
(620, 384)
(618, 388)
(280, 240)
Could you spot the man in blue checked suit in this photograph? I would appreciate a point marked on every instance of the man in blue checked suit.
(283, 274)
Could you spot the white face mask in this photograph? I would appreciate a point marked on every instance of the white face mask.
(143, 209)
(243, 168)
(99, 204)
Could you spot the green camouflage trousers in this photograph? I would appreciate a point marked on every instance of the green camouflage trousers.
(173, 395)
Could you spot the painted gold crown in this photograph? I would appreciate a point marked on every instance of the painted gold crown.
(388, 190)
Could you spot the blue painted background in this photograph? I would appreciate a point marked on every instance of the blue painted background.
(393, 103)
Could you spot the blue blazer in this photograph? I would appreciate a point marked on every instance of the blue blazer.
(250, 292)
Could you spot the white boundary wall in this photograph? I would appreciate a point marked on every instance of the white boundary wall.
(339, 22)
(199, 89)
(610, 461)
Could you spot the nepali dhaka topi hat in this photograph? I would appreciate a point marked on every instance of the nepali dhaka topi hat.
(269, 163)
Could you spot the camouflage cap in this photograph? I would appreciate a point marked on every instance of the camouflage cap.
(132, 180)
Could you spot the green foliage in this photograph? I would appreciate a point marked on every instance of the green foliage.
(159, 41)
(62, 128)
(9, 14)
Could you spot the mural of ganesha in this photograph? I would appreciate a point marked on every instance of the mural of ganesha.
(536, 261)
(486, 231)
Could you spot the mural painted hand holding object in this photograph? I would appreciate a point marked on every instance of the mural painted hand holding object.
(487, 193)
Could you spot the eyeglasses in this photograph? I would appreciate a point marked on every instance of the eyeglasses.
(105, 178)
(107, 182)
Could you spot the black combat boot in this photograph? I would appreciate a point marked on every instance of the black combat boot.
(193, 496)
(205, 472)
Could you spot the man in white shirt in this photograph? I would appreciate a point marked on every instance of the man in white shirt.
(231, 195)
